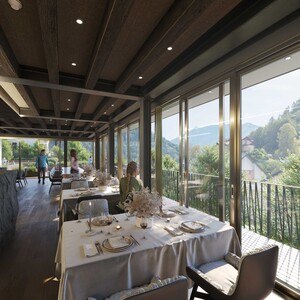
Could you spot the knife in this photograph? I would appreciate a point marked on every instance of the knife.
(99, 249)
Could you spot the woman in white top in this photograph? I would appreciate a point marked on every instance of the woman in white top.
(74, 162)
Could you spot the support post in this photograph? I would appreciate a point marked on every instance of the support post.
(120, 147)
(1, 160)
(235, 153)
(65, 153)
(97, 151)
(111, 149)
(145, 141)
(158, 150)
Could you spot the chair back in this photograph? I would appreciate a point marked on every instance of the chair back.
(257, 274)
(99, 206)
(75, 184)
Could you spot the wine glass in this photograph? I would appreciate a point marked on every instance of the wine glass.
(109, 220)
(144, 225)
(127, 214)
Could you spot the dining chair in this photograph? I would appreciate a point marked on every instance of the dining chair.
(250, 277)
(18, 179)
(55, 178)
(98, 207)
(75, 184)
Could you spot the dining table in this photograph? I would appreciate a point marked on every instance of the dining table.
(66, 182)
(69, 197)
(154, 251)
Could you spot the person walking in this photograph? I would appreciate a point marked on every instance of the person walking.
(41, 165)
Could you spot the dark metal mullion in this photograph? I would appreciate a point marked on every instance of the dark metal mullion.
(221, 183)
(186, 150)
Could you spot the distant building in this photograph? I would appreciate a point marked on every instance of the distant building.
(251, 169)
(247, 144)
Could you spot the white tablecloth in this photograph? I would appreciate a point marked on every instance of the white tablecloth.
(66, 183)
(161, 254)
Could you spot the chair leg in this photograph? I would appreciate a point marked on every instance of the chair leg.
(193, 294)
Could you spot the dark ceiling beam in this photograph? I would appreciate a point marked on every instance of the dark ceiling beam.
(47, 10)
(181, 15)
(44, 130)
(11, 124)
(114, 18)
(10, 67)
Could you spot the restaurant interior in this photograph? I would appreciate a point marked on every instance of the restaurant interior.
(149, 149)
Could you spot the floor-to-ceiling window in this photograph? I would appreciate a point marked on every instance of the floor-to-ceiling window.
(170, 150)
(124, 137)
(134, 142)
(270, 145)
(204, 184)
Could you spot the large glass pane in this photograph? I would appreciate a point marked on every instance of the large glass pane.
(170, 151)
(271, 162)
(116, 153)
(204, 152)
(134, 142)
(124, 149)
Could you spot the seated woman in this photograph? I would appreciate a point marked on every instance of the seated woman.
(129, 183)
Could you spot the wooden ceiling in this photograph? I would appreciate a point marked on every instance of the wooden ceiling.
(118, 42)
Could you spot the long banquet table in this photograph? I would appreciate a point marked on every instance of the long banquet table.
(68, 199)
(160, 254)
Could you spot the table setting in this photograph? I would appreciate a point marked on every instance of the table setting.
(134, 254)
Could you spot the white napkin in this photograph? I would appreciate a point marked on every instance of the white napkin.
(90, 250)
(117, 242)
(173, 231)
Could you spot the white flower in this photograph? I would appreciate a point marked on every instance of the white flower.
(143, 202)
(101, 178)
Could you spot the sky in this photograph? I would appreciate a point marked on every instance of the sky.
(259, 103)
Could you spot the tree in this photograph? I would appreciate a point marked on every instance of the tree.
(169, 163)
(291, 170)
(7, 151)
(207, 161)
(287, 139)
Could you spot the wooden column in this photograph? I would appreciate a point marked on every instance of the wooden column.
(97, 151)
(111, 149)
(145, 141)
(65, 152)
(120, 163)
(158, 150)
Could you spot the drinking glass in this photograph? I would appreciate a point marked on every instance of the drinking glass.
(144, 225)
(109, 220)
(127, 214)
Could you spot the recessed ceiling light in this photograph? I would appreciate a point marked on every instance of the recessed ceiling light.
(210, 92)
(79, 21)
(66, 124)
(140, 77)
(50, 120)
(105, 112)
(73, 64)
(288, 58)
(69, 100)
(169, 48)
(68, 108)
(112, 105)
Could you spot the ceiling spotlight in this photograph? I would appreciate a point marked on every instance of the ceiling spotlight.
(210, 92)
(105, 112)
(140, 77)
(66, 124)
(69, 100)
(68, 108)
(79, 21)
(169, 48)
(50, 120)
(112, 105)
(15, 4)
(73, 64)
(288, 58)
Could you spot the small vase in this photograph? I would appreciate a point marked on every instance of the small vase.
(138, 222)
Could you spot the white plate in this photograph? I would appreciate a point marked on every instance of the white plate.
(129, 242)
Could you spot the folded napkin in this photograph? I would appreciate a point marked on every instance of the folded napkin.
(193, 226)
(118, 242)
(180, 210)
(168, 214)
(173, 231)
(90, 250)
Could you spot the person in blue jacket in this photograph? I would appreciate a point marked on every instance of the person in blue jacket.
(41, 165)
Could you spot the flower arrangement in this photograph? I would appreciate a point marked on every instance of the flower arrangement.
(101, 178)
(143, 203)
(88, 170)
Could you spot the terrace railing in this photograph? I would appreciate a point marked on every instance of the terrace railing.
(272, 210)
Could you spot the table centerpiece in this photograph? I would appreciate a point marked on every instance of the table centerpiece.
(143, 203)
(102, 180)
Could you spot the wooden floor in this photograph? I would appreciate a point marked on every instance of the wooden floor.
(27, 263)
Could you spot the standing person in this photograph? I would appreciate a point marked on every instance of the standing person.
(90, 160)
(129, 183)
(41, 165)
(74, 162)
